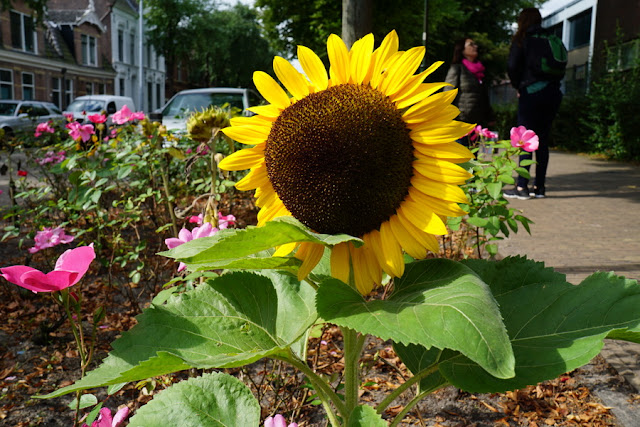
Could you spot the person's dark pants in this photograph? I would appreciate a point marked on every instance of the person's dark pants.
(536, 112)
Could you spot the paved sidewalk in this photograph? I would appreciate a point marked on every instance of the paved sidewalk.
(588, 222)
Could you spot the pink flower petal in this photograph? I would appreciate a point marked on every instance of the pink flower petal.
(121, 415)
(172, 242)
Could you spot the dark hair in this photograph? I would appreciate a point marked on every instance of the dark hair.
(458, 47)
(528, 18)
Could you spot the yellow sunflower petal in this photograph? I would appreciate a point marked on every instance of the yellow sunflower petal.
(243, 159)
(360, 59)
(256, 120)
(442, 134)
(449, 151)
(276, 210)
(312, 256)
(381, 55)
(286, 249)
(449, 192)
(397, 75)
(266, 111)
(291, 78)
(438, 206)
(271, 90)
(392, 250)
(430, 105)
(313, 67)
(361, 273)
(247, 134)
(427, 240)
(373, 241)
(339, 59)
(423, 91)
(423, 219)
(441, 170)
(406, 240)
(256, 178)
(340, 267)
(410, 87)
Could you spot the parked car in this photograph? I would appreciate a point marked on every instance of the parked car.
(23, 116)
(86, 105)
(175, 112)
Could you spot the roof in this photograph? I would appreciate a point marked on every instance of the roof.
(76, 17)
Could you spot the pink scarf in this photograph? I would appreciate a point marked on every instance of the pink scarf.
(476, 68)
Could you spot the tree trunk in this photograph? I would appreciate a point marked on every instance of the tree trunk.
(356, 20)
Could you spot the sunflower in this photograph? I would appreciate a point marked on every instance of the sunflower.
(367, 149)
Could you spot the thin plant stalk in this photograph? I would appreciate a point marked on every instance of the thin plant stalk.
(167, 196)
(353, 343)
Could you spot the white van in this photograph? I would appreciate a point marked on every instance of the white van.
(86, 105)
(175, 113)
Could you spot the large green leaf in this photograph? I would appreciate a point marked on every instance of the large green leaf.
(437, 302)
(208, 401)
(231, 248)
(365, 416)
(553, 325)
(229, 321)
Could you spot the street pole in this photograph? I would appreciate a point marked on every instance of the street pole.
(140, 59)
(423, 66)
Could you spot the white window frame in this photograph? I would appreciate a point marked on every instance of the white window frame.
(120, 42)
(132, 48)
(89, 46)
(23, 34)
(31, 86)
(68, 91)
(7, 83)
(56, 81)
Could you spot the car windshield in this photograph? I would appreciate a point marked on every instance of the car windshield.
(80, 105)
(189, 102)
(7, 108)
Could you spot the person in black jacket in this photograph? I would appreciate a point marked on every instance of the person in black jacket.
(467, 74)
(538, 99)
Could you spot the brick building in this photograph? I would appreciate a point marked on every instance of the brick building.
(77, 50)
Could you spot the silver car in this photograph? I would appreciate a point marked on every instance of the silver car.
(24, 116)
(175, 113)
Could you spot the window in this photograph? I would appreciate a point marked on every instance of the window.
(28, 88)
(56, 96)
(132, 48)
(88, 88)
(121, 92)
(149, 96)
(120, 45)
(68, 91)
(23, 33)
(580, 30)
(158, 96)
(101, 88)
(88, 50)
(6, 84)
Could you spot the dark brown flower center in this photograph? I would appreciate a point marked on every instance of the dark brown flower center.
(341, 159)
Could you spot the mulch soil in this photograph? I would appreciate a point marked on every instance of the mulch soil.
(39, 356)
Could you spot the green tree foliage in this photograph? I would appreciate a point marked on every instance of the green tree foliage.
(170, 28)
(230, 49)
(219, 47)
(309, 23)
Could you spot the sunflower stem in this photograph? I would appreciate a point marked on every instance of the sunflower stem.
(404, 386)
(323, 389)
(353, 343)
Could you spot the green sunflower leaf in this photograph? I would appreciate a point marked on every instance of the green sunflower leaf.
(246, 248)
(232, 320)
(365, 416)
(436, 303)
(554, 326)
(211, 400)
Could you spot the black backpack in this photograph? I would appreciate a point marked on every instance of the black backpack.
(548, 56)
